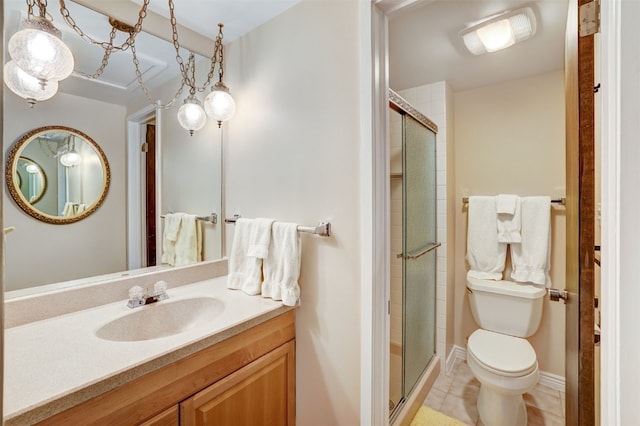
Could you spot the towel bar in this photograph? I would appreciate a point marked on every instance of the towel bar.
(562, 201)
(212, 218)
(323, 228)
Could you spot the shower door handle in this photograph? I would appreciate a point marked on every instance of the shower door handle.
(421, 253)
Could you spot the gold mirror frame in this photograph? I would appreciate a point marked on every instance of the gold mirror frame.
(23, 203)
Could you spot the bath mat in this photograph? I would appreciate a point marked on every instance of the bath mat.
(429, 417)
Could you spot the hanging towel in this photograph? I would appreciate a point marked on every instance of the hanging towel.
(531, 258)
(169, 236)
(509, 218)
(67, 211)
(186, 244)
(245, 272)
(259, 238)
(282, 265)
(486, 256)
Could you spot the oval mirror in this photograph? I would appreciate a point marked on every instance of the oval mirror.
(57, 174)
(31, 179)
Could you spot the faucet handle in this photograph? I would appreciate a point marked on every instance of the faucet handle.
(136, 293)
(160, 287)
(160, 290)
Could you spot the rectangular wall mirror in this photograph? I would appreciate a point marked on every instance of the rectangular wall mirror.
(156, 167)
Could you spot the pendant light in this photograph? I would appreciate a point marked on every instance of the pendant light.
(39, 50)
(70, 158)
(27, 86)
(191, 116)
(219, 104)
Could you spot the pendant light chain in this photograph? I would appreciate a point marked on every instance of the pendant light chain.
(133, 31)
(136, 62)
(184, 69)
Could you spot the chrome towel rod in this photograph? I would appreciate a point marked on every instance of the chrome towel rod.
(212, 218)
(562, 201)
(323, 228)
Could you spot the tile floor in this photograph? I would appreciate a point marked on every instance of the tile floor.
(455, 395)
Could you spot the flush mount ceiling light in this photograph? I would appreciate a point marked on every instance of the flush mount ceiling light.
(499, 31)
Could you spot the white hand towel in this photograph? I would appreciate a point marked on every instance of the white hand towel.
(259, 238)
(245, 272)
(282, 265)
(509, 218)
(531, 258)
(506, 203)
(486, 256)
(186, 244)
(170, 231)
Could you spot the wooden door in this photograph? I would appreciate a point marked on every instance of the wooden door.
(150, 174)
(261, 393)
(579, 88)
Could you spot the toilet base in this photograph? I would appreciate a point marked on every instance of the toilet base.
(499, 409)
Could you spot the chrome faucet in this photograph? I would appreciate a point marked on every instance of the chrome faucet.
(139, 296)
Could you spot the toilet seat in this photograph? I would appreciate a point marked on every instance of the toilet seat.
(502, 354)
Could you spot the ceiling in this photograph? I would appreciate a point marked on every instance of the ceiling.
(118, 84)
(424, 46)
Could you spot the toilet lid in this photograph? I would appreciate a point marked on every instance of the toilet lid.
(502, 353)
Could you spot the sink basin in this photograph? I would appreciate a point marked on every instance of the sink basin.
(161, 319)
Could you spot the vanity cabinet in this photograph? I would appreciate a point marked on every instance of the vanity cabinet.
(258, 394)
(248, 378)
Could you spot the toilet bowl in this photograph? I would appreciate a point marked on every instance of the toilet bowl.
(506, 368)
(498, 354)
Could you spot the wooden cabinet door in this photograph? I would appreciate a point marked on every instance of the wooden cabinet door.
(168, 417)
(260, 393)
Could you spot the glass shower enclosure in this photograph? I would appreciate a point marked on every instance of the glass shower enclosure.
(413, 228)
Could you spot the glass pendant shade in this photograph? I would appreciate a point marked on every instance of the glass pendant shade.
(219, 104)
(40, 52)
(26, 86)
(70, 159)
(191, 116)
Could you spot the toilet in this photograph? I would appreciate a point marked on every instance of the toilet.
(498, 354)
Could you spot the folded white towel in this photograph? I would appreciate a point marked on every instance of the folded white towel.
(170, 231)
(282, 265)
(80, 208)
(186, 244)
(486, 256)
(259, 238)
(506, 203)
(531, 259)
(509, 218)
(245, 272)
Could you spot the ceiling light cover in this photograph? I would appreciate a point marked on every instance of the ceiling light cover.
(500, 31)
(40, 52)
(26, 86)
(219, 104)
(191, 116)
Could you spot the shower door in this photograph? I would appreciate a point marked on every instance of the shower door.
(419, 250)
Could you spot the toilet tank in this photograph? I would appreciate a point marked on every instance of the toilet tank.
(506, 307)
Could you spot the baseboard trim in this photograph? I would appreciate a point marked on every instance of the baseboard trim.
(456, 353)
(550, 380)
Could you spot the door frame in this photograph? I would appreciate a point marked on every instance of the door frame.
(135, 184)
(612, 255)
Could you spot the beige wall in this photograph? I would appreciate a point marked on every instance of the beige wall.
(40, 253)
(292, 153)
(509, 138)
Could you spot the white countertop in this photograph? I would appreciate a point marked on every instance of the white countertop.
(53, 364)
